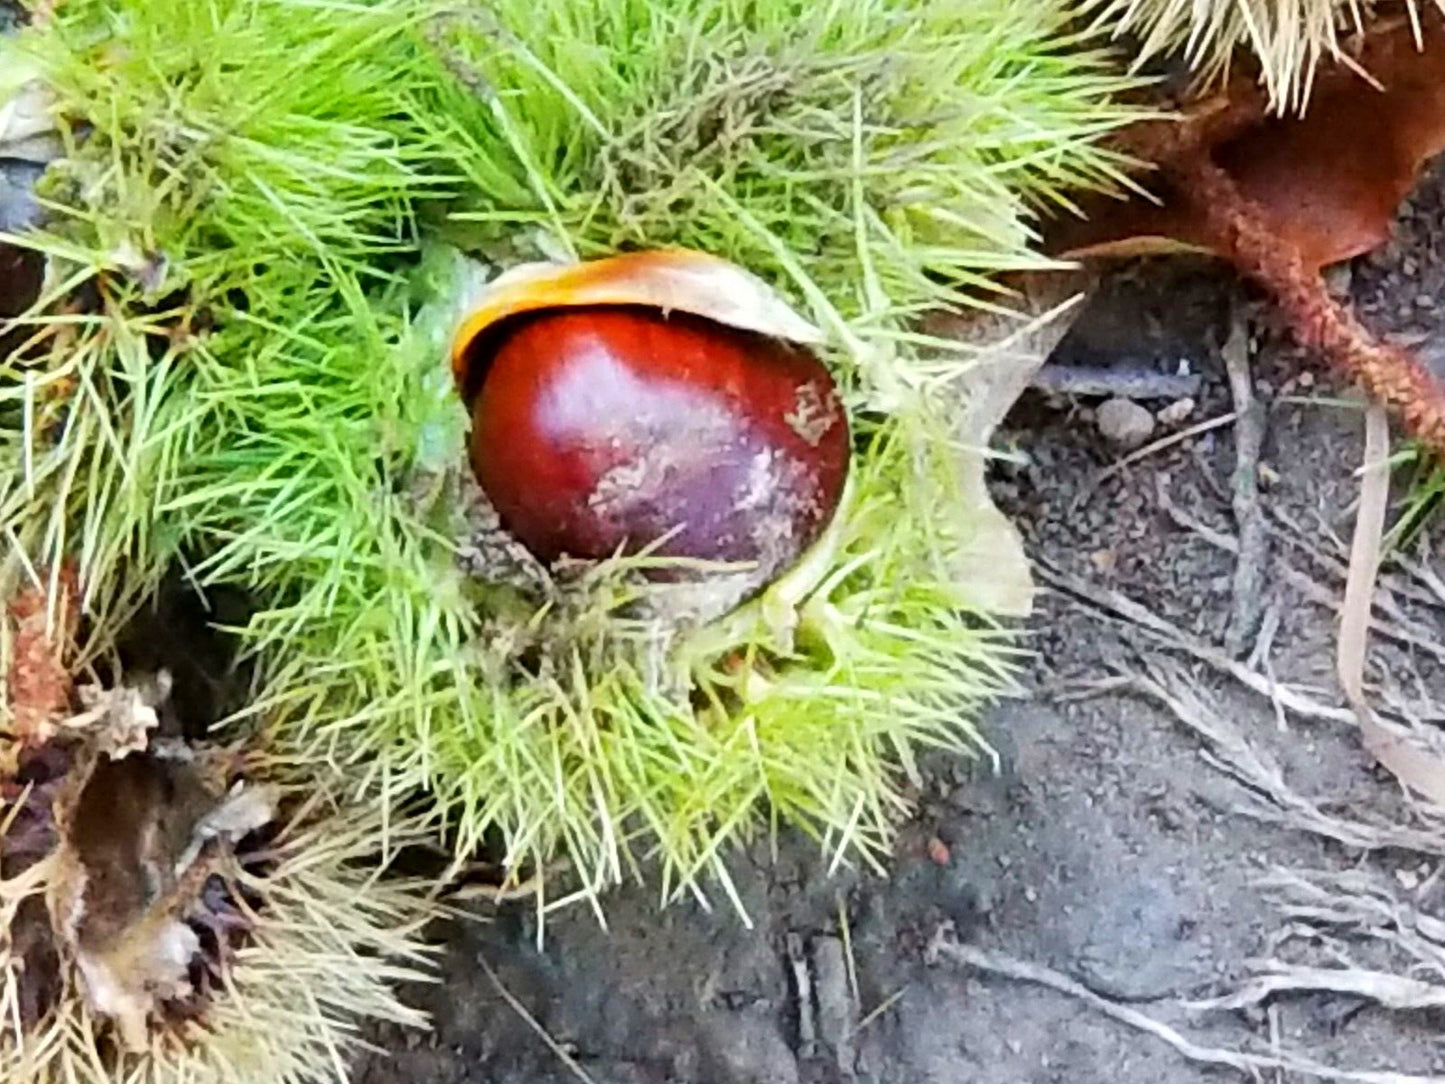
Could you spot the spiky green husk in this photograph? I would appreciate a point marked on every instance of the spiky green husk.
(893, 150)
(1289, 38)
(300, 437)
(328, 942)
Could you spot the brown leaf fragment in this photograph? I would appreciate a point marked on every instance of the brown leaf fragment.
(1327, 183)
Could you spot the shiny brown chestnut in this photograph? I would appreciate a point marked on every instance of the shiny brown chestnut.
(604, 422)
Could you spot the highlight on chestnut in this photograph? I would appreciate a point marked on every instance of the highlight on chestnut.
(662, 402)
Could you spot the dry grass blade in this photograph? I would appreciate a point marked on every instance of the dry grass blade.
(1273, 799)
(1327, 916)
(1114, 605)
(1418, 768)
(1361, 905)
(1400, 626)
(1364, 560)
(1391, 991)
(1243, 1061)
(882, 1007)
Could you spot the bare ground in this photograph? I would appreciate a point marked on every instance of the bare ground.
(1110, 849)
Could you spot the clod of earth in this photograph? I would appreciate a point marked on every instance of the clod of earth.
(606, 428)
(1282, 198)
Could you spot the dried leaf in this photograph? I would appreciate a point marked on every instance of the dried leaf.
(121, 719)
(137, 850)
(1407, 756)
(1329, 183)
(1011, 349)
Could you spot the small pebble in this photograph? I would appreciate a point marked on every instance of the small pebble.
(1176, 411)
(1337, 279)
(1124, 423)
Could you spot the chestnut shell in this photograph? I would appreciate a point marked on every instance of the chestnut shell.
(606, 429)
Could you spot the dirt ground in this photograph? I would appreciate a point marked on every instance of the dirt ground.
(1117, 846)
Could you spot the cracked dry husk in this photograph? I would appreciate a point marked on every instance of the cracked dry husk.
(555, 606)
(247, 964)
(162, 918)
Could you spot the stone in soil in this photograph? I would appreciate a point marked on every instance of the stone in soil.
(1124, 423)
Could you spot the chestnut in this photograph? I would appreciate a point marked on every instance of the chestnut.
(617, 427)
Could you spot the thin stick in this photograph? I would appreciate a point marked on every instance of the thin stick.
(1275, 801)
(882, 1007)
(531, 1021)
(1125, 383)
(1401, 629)
(1139, 617)
(1245, 602)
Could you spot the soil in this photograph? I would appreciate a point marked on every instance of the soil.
(1107, 847)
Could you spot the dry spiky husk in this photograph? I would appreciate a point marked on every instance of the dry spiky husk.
(1287, 41)
(161, 920)
(325, 941)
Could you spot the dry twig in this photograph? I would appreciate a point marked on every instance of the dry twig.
(1110, 604)
(531, 1021)
(1246, 602)
(1400, 628)
(1125, 383)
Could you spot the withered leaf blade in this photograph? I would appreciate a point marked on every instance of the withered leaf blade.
(1328, 183)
